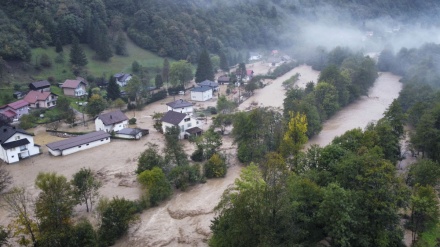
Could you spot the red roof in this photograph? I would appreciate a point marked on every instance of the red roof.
(71, 83)
(249, 72)
(18, 104)
(9, 113)
(34, 96)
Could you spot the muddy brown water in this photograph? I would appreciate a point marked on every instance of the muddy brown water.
(184, 219)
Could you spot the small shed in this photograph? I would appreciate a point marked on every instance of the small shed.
(130, 133)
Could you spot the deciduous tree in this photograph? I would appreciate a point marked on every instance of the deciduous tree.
(85, 187)
(156, 183)
(96, 105)
(180, 73)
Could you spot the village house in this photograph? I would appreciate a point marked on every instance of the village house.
(254, 56)
(208, 83)
(111, 121)
(75, 88)
(41, 99)
(122, 79)
(78, 143)
(187, 125)
(15, 110)
(181, 106)
(131, 133)
(42, 86)
(16, 144)
(223, 79)
(201, 93)
(19, 94)
(274, 61)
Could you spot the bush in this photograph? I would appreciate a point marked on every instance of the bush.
(131, 106)
(183, 176)
(213, 110)
(156, 183)
(215, 167)
(132, 121)
(197, 155)
(45, 61)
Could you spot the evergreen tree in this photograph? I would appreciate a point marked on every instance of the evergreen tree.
(204, 68)
(77, 55)
(223, 62)
(158, 81)
(104, 51)
(121, 45)
(113, 90)
(58, 45)
(166, 71)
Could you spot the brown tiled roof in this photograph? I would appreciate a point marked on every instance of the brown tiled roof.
(34, 96)
(72, 83)
(39, 84)
(113, 117)
(173, 117)
(78, 140)
(18, 104)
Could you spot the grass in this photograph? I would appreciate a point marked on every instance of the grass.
(96, 68)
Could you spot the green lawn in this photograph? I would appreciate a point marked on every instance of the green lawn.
(96, 68)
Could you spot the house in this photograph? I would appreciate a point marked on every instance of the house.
(274, 52)
(181, 106)
(122, 79)
(254, 56)
(223, 79)
(188, 126)
(111, 121)
(15, 110)
(274, 61)
(286, 58)
(16, 144)
(19, 95)
(208, 83)
(76, 88)
(42, 86)
(41, 99)
(129, 133)
(78, 143)
(201, 93)
(249, 75)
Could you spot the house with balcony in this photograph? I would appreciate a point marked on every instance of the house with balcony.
(187, 125)
(74, 88)
(16, 144)
(41, 99)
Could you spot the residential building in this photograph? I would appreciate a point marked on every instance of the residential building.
(181, 106)
(187, 125)
(223, 79)
(41, 99)
(111, 121)
(201, 93)
(130, 133)
(75, 88)
(208, 83)
(254, 56)
(78, 143)
(42, 86)
(122, 79)
(15, 110)
(16, 144)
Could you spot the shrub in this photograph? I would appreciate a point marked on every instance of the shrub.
(132, 121)
(197, 155)
(215, 167)
(213, 110)
(183, 176)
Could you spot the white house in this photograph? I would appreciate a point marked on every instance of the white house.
(129, 133)
(208, 83)
(16, 144)
(78, 143)
(254, 56)
(181, 106)
(122, 79)
(111, 121)
(188, 126)
(201, 93)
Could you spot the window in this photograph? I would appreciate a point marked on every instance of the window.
(187, 119)
(23, 148)
(182, 128)
(189, 125)
(79, 146)
(17, 138)
(87, 144)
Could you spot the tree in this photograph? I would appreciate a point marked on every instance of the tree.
(135, 67)
(394, 114)
(113, 90)
(224, 105)
(223, 62)
(119, 103)
(222, 121)
(208, 143)
(424, 173)
(156, 183)
(180, 73)
(85, 187)
(158, 81)
(45, 61)
(425, 212)
(166, 71)
(121, 45)
(58, 45)
(241, 71)
(83, 235)
(174, 153)
(204, 70)
(54, 208)
(5, 178)
(96, 105)
(295, 136)
(116, 216)
(18, 203)
(149, 159)
(77, 55)
(215, 167)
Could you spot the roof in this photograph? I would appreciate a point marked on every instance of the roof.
(18, 104)
(179, 104)
(201, 89)
(129, 131)
(40, 84)
(34, 96)
(7, 131)
(194, 130)
(249, 72)
(113, 117)
(78, 140)
(72, 83)
(122, 76)
(9, 113)
(15, 144)
(208, 83)
(173, 117)
(224, 78)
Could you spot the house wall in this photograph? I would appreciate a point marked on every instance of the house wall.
(201, 96)
(12, 155)
(99, 125)
(79, 148)
(69, 91)
(22, 111)
(80, 90)
(187, 110)
(183, 126)
(137, 137)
